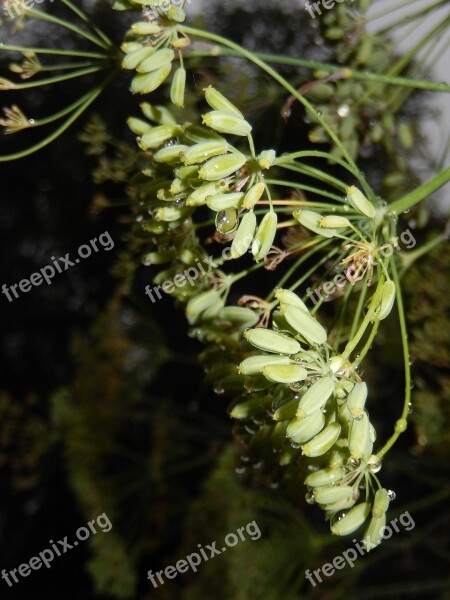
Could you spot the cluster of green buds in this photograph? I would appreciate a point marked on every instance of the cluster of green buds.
(317, 405)
(151, 46)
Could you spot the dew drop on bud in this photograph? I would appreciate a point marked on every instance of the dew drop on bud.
(309, 497)
(343, 110)
(392, 495)
(337, 517)
(227, 221)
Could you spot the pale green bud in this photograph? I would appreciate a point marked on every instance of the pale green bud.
(145, 28)
(255, 364)
(224, 201)
(157, 136)
(272, 341)
(170, 213)
(129, 47)
(359, 202)
(387, 301)
(186, 173)
(224, 122)
(311, 220)
(357, 400)
(286, 412)
(200, 194)
(306, 325)
(247, 409)
(359, 437)
(323, 441)
(325, 477)
(158, 114)
(352, 520)
(222, 166)
(205, 150)
(178, 87)
(138, 126)
(170, 154)
(218, 101)
(149, 82)
(199, 134)
(132, 60)
(374, 532)
(316, 397)
(266, 159)
(288, 298)
(334, 222)
(244, 235)
(265, 235)
(380, 503)
(253, 196)
(197, 305)
(240, 316)
(302, 430)
(284, 373)
(332, 494)
(158, 60)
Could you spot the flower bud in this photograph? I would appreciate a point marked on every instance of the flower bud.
(286, 412)
(240, 316)
(266, 159)
(178, 87)
(157, 60)
(222, 166)
(253, 196)
(156, 136)
(170, 213)
(138, 126)
(170, 154)
(288, 298)
(374, 532)
(380, 503)
(158, 114)
(333, 493)
(316, 397)
(352, 520)
(205, 150)
(359, 202)
(311, 220)
(149, 82)
(244, 235)
(132, 59)
(272, 341)
(334, 222)
(199, 195)
(359, 437)
(201, 303)
(387, 300)
(306, 325)
(218, 101)
(323, 441)
(284, 373)
(357, 399)
(199, 134)
(302, 430)
(247, 409)
(325, 477)
(265, 235)
(224, 201)
(224, 122)
(255, 364)
(145, 28)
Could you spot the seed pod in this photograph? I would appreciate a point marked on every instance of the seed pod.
(205, 150)
(157, 60)
(200, 303)
(199, 134)
(138, 126)
(265, 235)
(158, 114)
(284, 373)
(247, 409)
(222, 166)
(129, 47)
(244, 235)
(311, 220)
(320, 92)
(288, 298)
(334, 222)
(302, 430)
(156, 136)
(218, 101)
(387, 300)
(333, 493)
(357, 400)
(227, 221)
(186, 173)
(352, 520)
(374, 532)
(286, 412)
(178, 87)
(170, 154)
(175, 13)
(405, 136)
(359, 202)
(212, 312)
(359, 437)
(337, 458)
(380, 503)
(266, 159)
(145, 28)
(224, 122)
(240, 316)
(224, 201)
(199, 195)
(135, 57)
(306, 325)
(272, 341)
(253, 196)
(170, 214)
(316, 397)
(149, 82)
(323, 442)
(255, 364)
(325, 477)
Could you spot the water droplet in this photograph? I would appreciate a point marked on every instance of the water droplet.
(245, 458)
(319, 113)
(410, 408)
(250, 430)
(391, 495)
(337, 517)
(374, 464)
(240, 470)
(274, 485)
(146, 261)
(258, 465)
(227, 221)
(139, 218)
(353, 463)
(218, 388)
(295, 445)
(309, 497)
(31, 121)
(343, 110)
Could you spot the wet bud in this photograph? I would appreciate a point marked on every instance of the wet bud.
(332, 494)
(145, 28)
(244, 235)
(359, 437)
(306, 325)
(199, 195)
(222, 166)
(197, 305)
(387, 300)
(286, 412)
(178, 87)
(302, 430)
(205, 150)
(266, 159)
(253, 196)
(334, 222)
(134, 58)
(271, 341)
(255, 364)
(217, 101)
(265, 235)
(284, 373)
(311, 220)
(357, 400)
(224, 122)
(316, 397)
(323, 441)
(325, 477)
(352, 520)
(359, 202)
(156, 136)
(138, 126)
(380, 503)
(149, 82)
(374, 532)
(224, 201)
(170, 154)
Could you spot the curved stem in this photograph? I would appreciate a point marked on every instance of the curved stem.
(420, 193)
(307, 188)
(317, 174)
(57, 79)
(88, 21)
(58, 52)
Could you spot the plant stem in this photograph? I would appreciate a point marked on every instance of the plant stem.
(420, 193)
(58, 79)
(58, 52)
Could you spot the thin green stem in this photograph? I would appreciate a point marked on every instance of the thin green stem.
(359, 307)
(317, 174)
(62, 113)
(58, 79)
(88, 21)
(420, 193)
(307, 188)
(57, 52)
